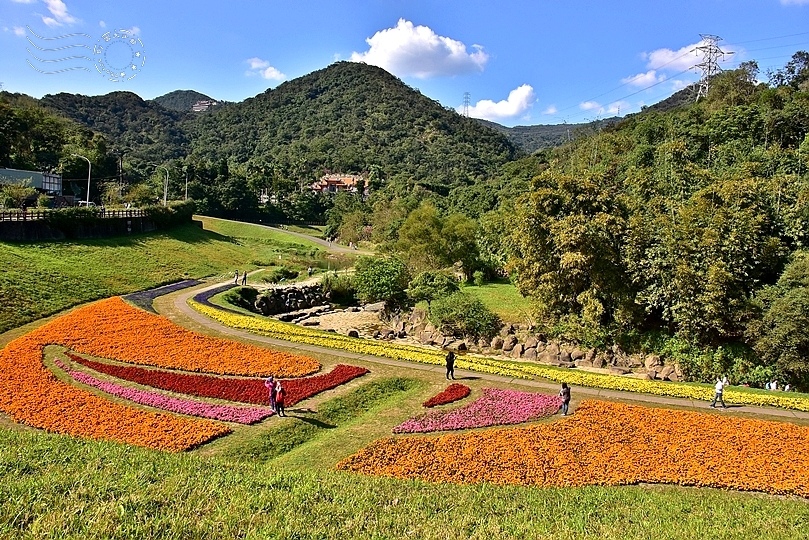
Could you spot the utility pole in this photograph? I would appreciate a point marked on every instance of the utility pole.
(467, 97)
(711, 54)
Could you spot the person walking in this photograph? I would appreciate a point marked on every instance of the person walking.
(718, 389)
(269, 382)
(280, 398)
(564, 393)
(450, 359)
(244, 278)
(236, 279)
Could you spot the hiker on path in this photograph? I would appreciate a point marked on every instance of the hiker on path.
(718, 389)
(564, 393)
(450, 359)
(236, 279)
(244, 278)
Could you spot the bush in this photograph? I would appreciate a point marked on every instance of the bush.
(429, 285)
(339, 288)
(478, 278)
(463, 315)
(176, 213)
(276, 275)
(382, 280)
(243, 297)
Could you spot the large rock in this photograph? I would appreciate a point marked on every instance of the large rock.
(600, 360)
(516, 352)
(548, 358)
(581, 362)
(673, 377)
(620, 370)
(529, 354)
(564, 356)
(483, 343)
(635, 361)
(591, 355)
(651, 361)
(577, 354)
(353, 332)
(531, 342)
(509, 342)
(375, 308)
(665, 372)
(507, 329)
(462, 346)
(552, 348)
(497, 343)
(425, 338)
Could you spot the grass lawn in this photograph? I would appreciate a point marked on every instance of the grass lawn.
(39, 279)
(504, 300)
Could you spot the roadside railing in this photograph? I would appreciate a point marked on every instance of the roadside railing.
(31, 215)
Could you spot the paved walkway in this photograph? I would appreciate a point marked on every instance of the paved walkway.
(181, 304)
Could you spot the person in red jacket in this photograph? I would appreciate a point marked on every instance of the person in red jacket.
(280, 398)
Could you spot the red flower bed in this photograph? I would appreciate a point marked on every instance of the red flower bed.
(451, 393)
(241, 389)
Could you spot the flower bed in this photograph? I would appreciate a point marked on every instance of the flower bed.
(453, 392)
(144, 299)
(228, 413)
(112, 328)
(32, 395)
(245, 390)
(496, 407)
(523, 370)
(607, 444)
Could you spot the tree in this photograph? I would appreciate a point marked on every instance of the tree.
(14, 195)
(420, 241)
(429, 285)
(461, 314)
(382, 280)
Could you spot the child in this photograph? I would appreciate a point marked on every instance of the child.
(564, 393)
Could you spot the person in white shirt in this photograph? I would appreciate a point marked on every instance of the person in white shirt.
(718, 388)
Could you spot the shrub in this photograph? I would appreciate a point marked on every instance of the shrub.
(243, 297)
(478, 278)
(382, 280)
(461, 314)
(430, 285)
(281, 273)
(339, 288)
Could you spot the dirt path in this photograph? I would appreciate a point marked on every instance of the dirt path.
(180, 301)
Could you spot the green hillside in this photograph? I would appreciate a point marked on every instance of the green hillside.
(180, 100)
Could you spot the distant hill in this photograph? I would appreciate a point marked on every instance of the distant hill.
(542, 136)
(148, 132)
(181, 100)
(351, 117)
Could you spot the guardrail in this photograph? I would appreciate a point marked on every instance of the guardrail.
(31, 215)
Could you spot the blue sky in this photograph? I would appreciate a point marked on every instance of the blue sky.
(522, 63)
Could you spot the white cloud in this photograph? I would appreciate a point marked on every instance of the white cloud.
(589, 106)
(794, 2)
(135, 30)
(679, 84)
(679, 60)
(408, 50)
(60, 15)
(260, 67)
(617, 106)
(550, 110)
(102, 24)
(519, 100)
(19, 31)
(644, 79)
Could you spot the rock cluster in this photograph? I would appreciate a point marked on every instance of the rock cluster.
(290, 299)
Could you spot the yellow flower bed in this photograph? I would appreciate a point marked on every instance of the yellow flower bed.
(522, 370)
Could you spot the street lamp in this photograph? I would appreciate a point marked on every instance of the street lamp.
(89, 170)
(166, 185)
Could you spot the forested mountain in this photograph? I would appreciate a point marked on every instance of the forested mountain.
(180, 100)
(350, 117)
(147, 132)
(542, 136)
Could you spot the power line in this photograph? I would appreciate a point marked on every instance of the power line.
(711, 54)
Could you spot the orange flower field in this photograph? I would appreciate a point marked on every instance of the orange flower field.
(607, 444)
(32, 395)
(112, 328)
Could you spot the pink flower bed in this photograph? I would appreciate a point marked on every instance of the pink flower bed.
(241, 389)
(228, 413)
(494, 408)
(451, 393)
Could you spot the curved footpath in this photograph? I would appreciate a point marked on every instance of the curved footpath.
(180, 300)
(330, 246)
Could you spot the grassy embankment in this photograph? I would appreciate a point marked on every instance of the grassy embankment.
(274, 480)
(39, 279)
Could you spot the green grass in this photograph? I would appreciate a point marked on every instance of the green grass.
(39, 279)
(300, 428)
(60, 487)
(503, 299)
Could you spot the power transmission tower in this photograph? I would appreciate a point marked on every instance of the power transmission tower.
(711, 54)
(467, 97)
